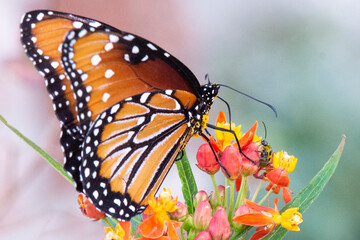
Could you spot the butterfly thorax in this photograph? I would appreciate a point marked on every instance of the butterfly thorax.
(199, 115)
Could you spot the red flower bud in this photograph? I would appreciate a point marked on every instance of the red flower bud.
(231, 160)
(206, 159)
(88, 209)
(242, 209)
(202, 215)
(200, 196)
(213, 198)
(219, 226)
(204, 235)
(181, 212)
(248, 167)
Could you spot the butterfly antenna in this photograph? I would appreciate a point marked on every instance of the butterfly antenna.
(267, 104)
(264, 128)
(228, 107)
(207, 78)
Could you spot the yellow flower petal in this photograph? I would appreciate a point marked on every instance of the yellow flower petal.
(226, 138)
(290, 219)
(118, 234)
(284, 160)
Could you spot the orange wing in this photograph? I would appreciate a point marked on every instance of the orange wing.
(106, 67)
(131, 147)
(42, 35)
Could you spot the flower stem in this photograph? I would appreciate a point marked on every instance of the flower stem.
(216, 190)
(182, 233)
(232, 183)
(241, 194)
(265, 197)
(226, 197)
(257, 191)
(108, 223)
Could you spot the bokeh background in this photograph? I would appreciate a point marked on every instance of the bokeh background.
(303, 57)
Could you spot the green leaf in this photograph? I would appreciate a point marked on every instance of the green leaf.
(312, 190)
(58, 167)
(189, 187)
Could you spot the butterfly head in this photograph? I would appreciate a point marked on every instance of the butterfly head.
(208, 93)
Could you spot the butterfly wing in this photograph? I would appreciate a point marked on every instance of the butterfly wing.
(130, 148)
(42, 37)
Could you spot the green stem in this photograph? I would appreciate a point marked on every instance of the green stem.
(182, 233)
(265, 197)
(232, 183)
(108, 223)
(257, 191)
(240, 196)
(226, 197)
(216, 190)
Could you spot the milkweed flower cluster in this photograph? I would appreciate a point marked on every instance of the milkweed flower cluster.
(218, 215)
(241, 156)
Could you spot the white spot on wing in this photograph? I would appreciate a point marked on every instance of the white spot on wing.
(109, 73)
(128, 37)
(135, 50)
(87, 172)
(105, 97)
(40, 16)
(115, 108)
(82, 33)
(55, 64)
(96, 194)
(95, 59)
(77, 24)
(151, 46)
(109, 46)
(113, 38)
(95, 24)
(144, 97)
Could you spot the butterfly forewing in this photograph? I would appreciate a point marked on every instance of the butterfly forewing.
(106, 67)
(131, 147)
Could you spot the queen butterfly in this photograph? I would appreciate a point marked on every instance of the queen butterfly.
(126, 107)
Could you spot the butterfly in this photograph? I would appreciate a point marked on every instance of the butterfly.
(126, 107)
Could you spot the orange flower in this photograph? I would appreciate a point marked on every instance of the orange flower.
(158, 224)
(279, 178)
(267, 219)
(88, 209)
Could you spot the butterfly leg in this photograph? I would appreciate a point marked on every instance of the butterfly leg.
(215, 155)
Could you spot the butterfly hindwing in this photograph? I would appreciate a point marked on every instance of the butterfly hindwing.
(131, 147)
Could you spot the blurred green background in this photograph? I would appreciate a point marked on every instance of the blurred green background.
(301, 57)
